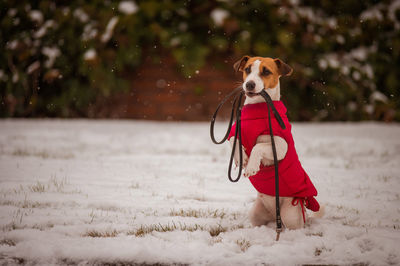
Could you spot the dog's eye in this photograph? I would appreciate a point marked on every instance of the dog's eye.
(248, 70)
(265, 72)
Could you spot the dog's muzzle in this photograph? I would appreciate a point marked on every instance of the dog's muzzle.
(251, 94)
(250, 87)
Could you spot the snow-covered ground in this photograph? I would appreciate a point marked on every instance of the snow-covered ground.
(81, 191)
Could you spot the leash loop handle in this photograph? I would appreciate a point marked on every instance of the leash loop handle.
(238, 137)
(212, 135)
(238, 134)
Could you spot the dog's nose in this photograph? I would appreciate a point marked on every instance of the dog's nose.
(250, 85)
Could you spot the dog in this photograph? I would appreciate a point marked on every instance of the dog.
(296, 189)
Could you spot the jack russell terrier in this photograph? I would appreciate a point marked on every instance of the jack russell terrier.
(296, 189)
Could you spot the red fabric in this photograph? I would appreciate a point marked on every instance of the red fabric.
(293, 180)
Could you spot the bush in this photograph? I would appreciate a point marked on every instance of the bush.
(59, 58)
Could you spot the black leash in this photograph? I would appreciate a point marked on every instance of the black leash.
(238, 137)
(238, 134)
(268, 99)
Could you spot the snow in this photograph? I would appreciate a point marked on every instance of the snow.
(245, 35)
(36, 15)
(89, 31)
(43, 29)
(393, 8)
(368, 70)
(175, 41)
(322, 63)
(183, 26)
(96, 192)
(109, 29)
(378, 96)
(355, 58)
(12, 12)
(81, 15)
(219, 15)
(52, 53)
(340, 39)
(333, 61)
(307, 12)
(344, 69)
(127, 7)
(352, 106)
(360, 53)
(15, 77)
(12, 45)
(332, 22)
(356, 75)
(369, 108)
(33, 67)
(90, 54)
(372, 13)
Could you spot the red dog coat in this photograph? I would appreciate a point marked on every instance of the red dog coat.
(293, 180)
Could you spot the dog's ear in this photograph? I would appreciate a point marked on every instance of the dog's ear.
(283, 68)
(239, 65)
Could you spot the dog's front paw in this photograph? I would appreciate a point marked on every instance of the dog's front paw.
(252, 168)
(245, 161)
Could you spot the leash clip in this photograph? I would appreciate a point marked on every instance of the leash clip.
(278, 233)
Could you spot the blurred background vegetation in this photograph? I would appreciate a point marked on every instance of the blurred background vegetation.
(59, 57)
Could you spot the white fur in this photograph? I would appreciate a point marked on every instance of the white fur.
(262, 153)
(255, 76)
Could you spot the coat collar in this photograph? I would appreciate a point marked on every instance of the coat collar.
(259, 110)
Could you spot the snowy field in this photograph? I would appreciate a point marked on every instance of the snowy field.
(130, 192)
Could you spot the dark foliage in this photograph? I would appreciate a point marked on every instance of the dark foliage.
(57, 59)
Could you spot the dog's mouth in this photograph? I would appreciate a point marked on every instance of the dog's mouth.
(252, 94)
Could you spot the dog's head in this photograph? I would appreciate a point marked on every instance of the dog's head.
(261, 73)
